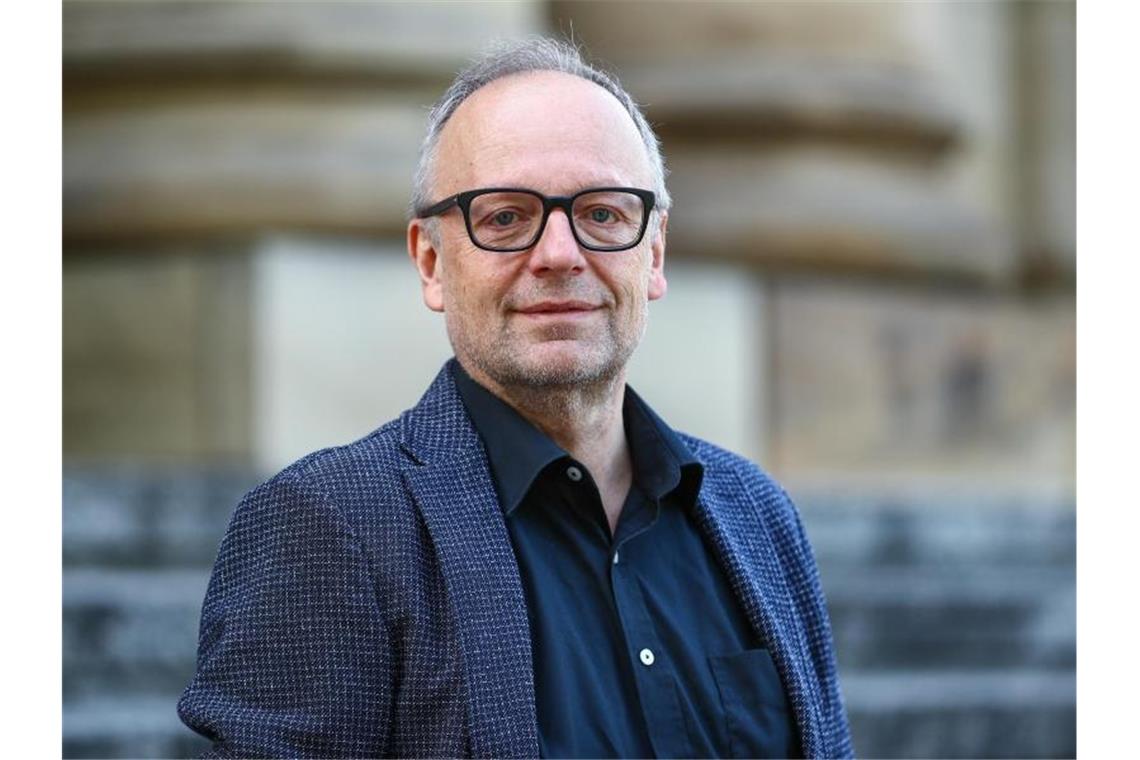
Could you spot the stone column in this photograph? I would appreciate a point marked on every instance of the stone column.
(197, 138)
(863, 159)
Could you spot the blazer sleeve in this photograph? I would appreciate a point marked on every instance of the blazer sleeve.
(293, 655)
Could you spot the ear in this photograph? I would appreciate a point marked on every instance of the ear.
(657, 284)
(426, 259)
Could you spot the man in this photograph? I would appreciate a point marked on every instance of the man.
(529, 561)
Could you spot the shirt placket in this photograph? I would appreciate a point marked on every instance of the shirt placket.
(653, 671)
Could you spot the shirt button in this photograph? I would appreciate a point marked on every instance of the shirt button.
(573, 473)
(615, 558)
(646, 656)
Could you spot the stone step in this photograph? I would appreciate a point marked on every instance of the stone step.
(148, 517)
(902, 534)
(991, 713)
(907, 645)
(935, 583)
(932, 617)
(131, 726)
(130, 631)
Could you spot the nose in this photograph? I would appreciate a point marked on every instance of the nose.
(556, 250)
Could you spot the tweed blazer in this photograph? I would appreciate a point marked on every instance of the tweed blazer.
(366, 602)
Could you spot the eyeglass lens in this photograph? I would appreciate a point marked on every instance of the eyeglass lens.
(606, 219)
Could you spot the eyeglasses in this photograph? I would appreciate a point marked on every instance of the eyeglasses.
(506, 219)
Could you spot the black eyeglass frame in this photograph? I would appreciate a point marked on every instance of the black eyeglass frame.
(549, 203)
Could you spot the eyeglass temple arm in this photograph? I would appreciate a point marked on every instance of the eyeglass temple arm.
(437, 208)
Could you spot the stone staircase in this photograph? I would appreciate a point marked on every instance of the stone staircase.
(955, 626)
(137, 550)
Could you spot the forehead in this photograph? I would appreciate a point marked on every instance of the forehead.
(549, 131)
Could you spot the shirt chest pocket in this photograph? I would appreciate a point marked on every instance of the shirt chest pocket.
(759, 721)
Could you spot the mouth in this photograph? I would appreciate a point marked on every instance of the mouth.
(558, 309)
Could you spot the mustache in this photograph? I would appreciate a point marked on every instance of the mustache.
(530, 296)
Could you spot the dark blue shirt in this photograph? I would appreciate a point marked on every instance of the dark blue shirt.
(640, 648)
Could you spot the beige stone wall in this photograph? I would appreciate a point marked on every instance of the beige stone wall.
(155, 354)
(873, 232)
(875, 384)
(1046, 67)
(342, 343)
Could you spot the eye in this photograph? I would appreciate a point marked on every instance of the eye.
(504, 218)
(602, 215)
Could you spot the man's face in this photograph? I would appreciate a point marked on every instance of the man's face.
(554, 314)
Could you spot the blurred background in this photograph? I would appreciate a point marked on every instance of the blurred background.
(871, 265)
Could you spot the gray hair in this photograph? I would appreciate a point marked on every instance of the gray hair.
(534, 54)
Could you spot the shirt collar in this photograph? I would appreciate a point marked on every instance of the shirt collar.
(519, 452)
(661, 460)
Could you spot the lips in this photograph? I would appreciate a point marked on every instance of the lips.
(559, 307)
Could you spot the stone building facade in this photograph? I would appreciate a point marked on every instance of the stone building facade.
(871, 260)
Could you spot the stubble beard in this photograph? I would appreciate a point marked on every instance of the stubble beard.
(537, 374)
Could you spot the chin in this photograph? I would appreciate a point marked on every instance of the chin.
(560, 363)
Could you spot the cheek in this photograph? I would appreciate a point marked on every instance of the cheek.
(631, 286)
(477, 292)
(631, 296)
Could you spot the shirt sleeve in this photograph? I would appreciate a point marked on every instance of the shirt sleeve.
(293, 655)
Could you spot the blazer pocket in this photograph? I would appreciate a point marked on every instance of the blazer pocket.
(757, 715)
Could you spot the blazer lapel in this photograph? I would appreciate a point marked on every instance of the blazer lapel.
(747, 553)
(450, 482)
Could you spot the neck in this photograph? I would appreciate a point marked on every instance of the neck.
(584, 419)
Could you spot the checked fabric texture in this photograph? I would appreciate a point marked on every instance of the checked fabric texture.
(365, 602)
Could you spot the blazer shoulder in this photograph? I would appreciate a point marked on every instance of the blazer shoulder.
(732, 482)
(361, 480)
(727, 468)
